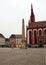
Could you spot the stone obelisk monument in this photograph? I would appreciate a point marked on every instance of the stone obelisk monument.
(23, 34)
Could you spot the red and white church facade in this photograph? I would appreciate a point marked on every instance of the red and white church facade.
(35, 31)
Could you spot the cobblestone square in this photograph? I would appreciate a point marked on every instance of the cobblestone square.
(16, 56)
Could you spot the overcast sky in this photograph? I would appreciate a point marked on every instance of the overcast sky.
(13, 11)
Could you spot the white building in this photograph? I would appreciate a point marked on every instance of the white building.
(18, 38)
(2, 40)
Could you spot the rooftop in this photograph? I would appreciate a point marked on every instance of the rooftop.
(18, 35)
(13, 36)
(1, 35)
(37, 24)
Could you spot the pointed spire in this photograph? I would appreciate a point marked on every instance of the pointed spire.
(31, 6)
(32, 17)
(31, 9)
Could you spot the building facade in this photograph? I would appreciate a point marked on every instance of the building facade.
(15, 40)
(7, 42)
(18, 38)
(12, 40)
(35, 31)
(2, 40)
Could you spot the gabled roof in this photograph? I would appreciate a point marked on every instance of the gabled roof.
(1, 35)
(13, 36)
(18, 35)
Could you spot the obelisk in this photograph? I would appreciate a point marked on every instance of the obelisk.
(23, 34)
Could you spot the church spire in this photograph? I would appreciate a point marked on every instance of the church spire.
(32, 17)
(31, 9)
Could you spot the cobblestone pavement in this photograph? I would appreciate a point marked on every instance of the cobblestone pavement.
(32, 56)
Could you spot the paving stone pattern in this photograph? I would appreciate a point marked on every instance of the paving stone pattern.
(32, 56)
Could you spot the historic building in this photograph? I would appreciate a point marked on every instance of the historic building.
(12, 40)
(7, 42)
(15, 40)
(18, 38)
(35, 31)
(2, 40)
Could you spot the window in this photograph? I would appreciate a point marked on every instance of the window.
(40, 32)
(35, 37)
(45, 32)
(30, 37)
(45, 35)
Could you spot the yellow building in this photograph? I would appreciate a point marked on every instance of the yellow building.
(12, 40)
(15, 40)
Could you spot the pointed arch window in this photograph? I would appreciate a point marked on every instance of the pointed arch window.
(30, 37)
(40, 32)
(45, 32)
(45, 35)
(35, 37)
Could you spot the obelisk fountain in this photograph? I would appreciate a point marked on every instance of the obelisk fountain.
(23, 34)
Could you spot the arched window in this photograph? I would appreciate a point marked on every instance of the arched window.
(30, 37)
(40, 32)
(35, 37)
(45, 35)
(45, 32)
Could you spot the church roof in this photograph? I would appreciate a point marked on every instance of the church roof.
(37, 24)
(1, 35)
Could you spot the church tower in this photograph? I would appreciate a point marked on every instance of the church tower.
(32, 17)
